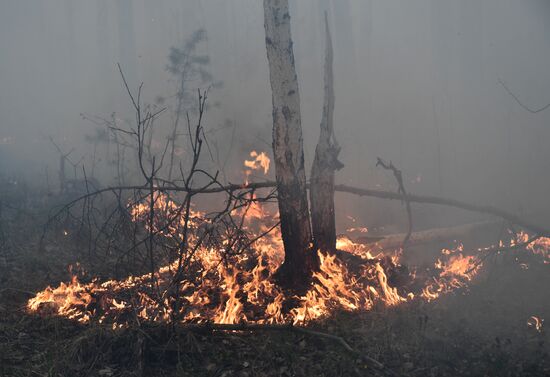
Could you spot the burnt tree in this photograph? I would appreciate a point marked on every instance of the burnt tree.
(300, 256)
(321, 192)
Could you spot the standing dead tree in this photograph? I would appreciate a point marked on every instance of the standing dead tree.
(63, 158)
(300, 257)
(321, 193)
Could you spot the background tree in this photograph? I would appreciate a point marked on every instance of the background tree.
(190, 71)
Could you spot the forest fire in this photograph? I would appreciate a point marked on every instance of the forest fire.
(233, 294)
(220, 287)
(274, 188)
(224, 293)
(224, 268)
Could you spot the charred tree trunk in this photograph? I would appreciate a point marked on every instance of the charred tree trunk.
(321, 192)
(300, 257)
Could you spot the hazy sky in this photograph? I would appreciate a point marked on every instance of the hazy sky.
(416, 83)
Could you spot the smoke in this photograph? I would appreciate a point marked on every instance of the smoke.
(416, 83)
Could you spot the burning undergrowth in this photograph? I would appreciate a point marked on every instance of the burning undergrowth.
(221, 269)
(219, 287)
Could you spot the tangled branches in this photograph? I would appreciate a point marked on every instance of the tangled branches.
(152, 224)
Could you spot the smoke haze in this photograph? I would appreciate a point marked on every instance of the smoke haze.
(416, 83)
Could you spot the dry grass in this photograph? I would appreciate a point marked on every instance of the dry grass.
(479, 332)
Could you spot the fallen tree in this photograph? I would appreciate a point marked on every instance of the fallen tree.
(381, 194)
(434, 235)
(486, 209)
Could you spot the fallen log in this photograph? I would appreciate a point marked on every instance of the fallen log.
(390, 195)
(490, 210)
(435, 235)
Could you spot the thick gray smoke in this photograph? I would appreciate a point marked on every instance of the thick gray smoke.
(416, 83)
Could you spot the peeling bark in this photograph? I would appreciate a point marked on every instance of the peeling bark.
(321, 193)
(300, 258)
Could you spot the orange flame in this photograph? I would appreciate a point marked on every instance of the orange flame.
(260, 161)
(241, 288)
(535, 323)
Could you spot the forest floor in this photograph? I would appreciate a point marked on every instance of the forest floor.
(478, 331)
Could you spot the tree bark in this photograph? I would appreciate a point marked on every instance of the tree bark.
(300, 257)
(321, 192)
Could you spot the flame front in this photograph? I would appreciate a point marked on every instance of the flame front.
(237, 293)
(241, 288)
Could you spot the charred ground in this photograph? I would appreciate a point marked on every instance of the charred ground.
(479, 330)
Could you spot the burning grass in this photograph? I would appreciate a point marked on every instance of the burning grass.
(241, 288)
(496, 329)
(483, 333)
(223, 274)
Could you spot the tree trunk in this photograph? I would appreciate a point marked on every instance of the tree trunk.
(321, 192)
(300, 257)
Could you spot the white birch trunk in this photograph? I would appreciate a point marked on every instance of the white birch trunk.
(300, 258)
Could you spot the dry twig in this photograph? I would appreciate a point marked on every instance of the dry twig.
(401, 190)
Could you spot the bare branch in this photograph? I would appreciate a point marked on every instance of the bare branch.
(516, 98)
(399, 178)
